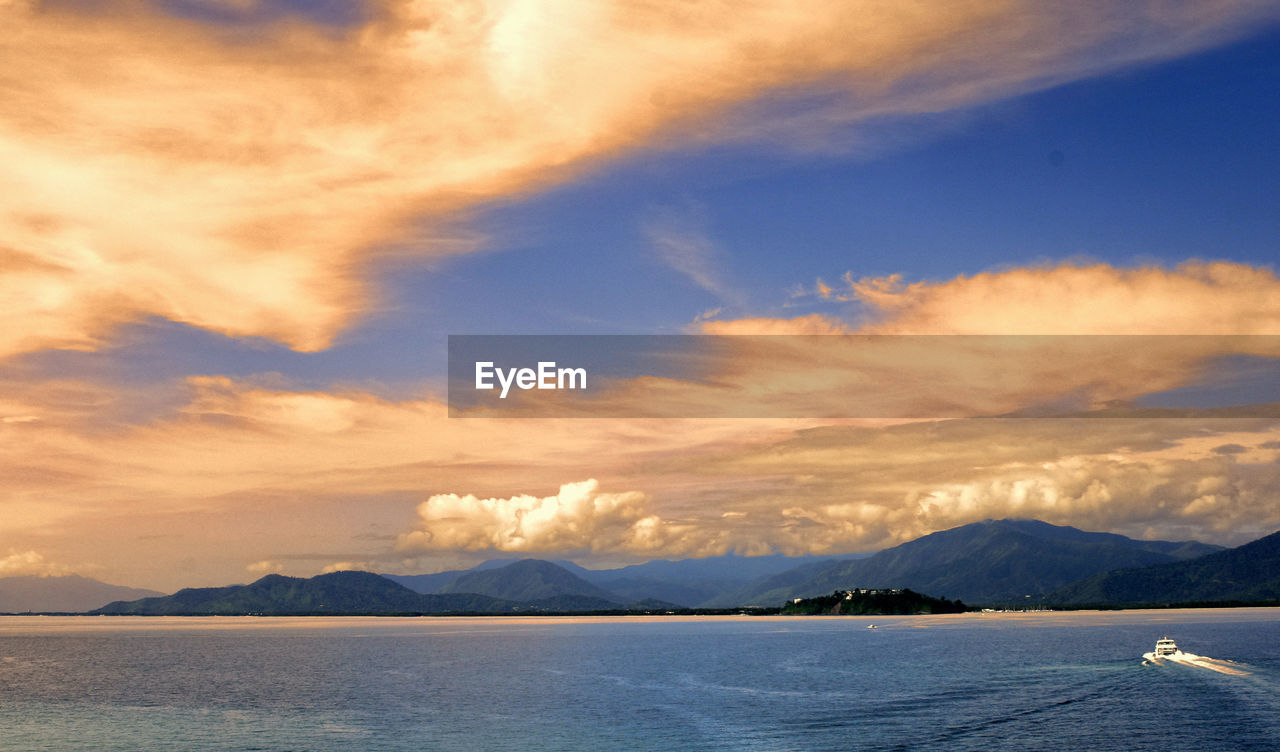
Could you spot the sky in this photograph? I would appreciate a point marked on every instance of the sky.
(236, 234)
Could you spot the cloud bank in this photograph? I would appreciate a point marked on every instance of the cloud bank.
(837, 489)
(848, 489)
(244, 473)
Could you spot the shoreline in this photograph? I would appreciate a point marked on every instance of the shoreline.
(749, 612)
(1080, 617)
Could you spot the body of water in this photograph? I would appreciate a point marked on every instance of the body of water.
(1060, 681)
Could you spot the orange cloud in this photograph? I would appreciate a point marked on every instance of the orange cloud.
(241, 180)
(1193, 298)
(921, 370)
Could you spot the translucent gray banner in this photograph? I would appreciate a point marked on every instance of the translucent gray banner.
(863, 376)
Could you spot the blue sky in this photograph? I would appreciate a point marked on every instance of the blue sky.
(1161, 164)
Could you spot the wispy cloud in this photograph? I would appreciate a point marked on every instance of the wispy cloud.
(707, 315)
(814, 323)
(681, 242)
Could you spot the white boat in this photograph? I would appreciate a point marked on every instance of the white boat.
(1166, 646)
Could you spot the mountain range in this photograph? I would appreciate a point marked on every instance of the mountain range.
(1249, 573)
(687, 583)
(333, 593)
(69, 593)
(539, 585)
(994, 562)
(990, 562)
(526, 586)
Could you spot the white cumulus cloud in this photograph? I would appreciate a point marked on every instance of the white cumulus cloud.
(580, 517)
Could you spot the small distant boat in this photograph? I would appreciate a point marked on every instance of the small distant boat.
(872, 626)
(1166, 646)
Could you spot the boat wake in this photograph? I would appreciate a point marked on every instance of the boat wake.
(1196, 661)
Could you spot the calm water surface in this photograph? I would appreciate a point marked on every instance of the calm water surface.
(1061, 681)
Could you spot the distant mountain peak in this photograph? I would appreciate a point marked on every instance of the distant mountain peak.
(529, 580)
(67, 593)
(347, 592)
